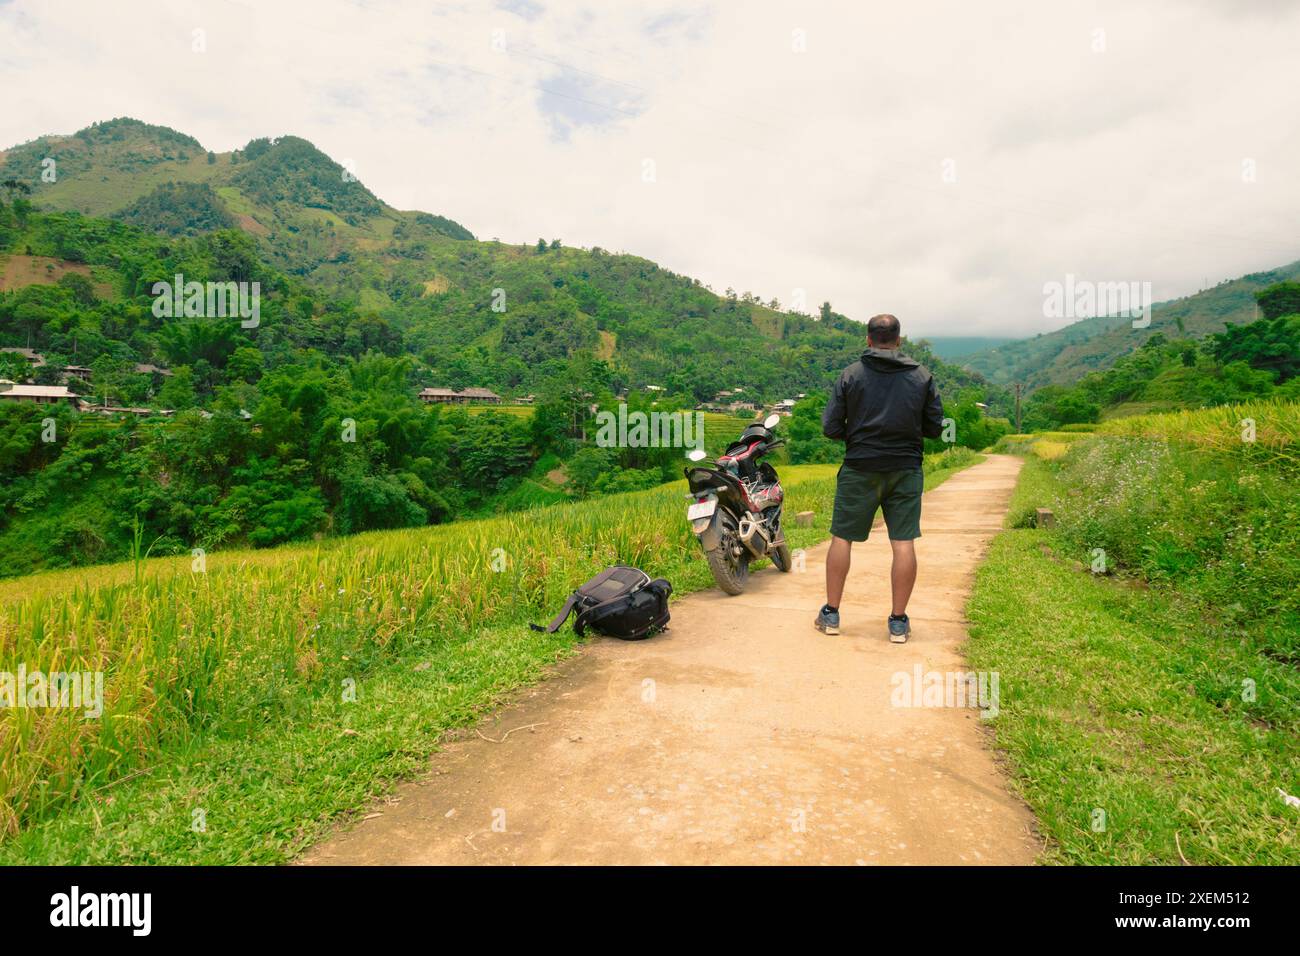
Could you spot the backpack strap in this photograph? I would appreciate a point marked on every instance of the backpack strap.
(558, 621)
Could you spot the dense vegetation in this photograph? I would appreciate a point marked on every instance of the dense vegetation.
(1172, 571)
(308, 424)
(179, 209)
(1244, 362)
(1094, 344)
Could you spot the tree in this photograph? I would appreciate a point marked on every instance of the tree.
(1053, 405)
(490, 447)
(14, 367)
(245, 364)
(807, 443)
(186, 342)
(14, 188)
(1280, 299)
(178, 391)
(1270, 344)
(586, 467)
(563, 409)
(536, 332)
(370, 501)
(109, 375)
(82, 289)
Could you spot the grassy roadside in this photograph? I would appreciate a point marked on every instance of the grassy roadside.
(269, 790)
(1137, 731)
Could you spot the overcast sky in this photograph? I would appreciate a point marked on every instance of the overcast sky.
(940, 161)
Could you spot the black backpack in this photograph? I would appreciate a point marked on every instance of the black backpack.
(620, 602)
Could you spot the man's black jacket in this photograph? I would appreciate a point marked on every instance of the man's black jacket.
(880, 408)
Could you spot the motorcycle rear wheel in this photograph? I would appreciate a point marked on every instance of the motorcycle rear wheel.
(731, 574)
(781, 558)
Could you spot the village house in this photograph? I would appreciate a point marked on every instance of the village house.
(37, 394)
(730, 400)
(484, 396)
(138, 411)
(476, 396)
(739, 405)
(146, 369)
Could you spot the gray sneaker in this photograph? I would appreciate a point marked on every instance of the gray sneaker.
(899, 628)
(828, 622)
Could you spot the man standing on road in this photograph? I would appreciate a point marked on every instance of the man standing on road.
(881, 408)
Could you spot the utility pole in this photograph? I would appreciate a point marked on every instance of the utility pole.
(1017, 408)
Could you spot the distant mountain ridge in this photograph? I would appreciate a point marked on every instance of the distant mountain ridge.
(124, 168)
(1066, 355)
(956, 347)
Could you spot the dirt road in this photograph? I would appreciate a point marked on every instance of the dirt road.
(740, 736)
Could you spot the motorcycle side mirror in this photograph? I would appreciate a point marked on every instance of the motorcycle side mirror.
(771, 421)
(696, 454)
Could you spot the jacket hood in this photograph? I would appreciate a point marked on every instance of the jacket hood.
(888, 360)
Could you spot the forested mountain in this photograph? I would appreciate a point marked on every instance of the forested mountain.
(954, 348)
(1089, 345)
(307, 422)
(470, 313)
(1245, 362)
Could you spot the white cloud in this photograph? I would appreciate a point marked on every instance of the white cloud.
(776, 170)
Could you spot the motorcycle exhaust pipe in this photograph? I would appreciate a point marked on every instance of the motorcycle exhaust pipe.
(753, 537)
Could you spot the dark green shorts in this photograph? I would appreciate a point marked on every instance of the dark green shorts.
(859, 493)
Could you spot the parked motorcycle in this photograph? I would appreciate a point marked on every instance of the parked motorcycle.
(735, 510)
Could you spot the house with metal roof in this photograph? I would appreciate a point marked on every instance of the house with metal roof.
(37, 394)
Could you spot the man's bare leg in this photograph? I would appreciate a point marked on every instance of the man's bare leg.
(837, 569)
(902, 573)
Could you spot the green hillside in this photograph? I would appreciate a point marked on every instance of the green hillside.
(1066, 355)
(1245, 362)
(308, 424)
(472, 313)
(953, 348)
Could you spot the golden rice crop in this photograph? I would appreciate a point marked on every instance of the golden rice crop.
(230, 646)
(1267, 432)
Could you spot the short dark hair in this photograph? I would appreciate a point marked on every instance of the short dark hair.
(884, 328)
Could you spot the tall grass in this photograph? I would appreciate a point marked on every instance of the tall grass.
(227, 649)
(1170, 702)
(1274, 440)
(1046, 445)
(1184, 502)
